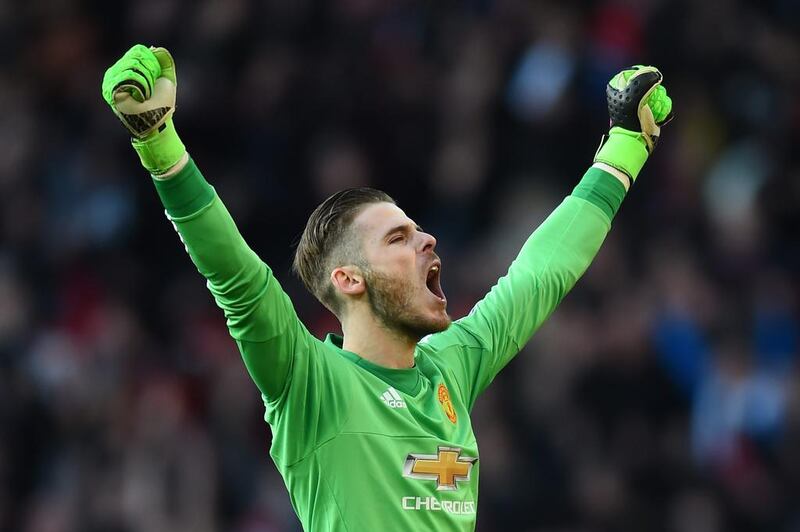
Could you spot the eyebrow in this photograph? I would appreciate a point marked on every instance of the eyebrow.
(402, 227)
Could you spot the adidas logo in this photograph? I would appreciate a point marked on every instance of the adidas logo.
(393, 399)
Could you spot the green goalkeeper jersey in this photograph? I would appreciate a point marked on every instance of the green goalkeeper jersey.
(362, 447)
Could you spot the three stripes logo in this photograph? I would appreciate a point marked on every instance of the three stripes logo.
(393, 399)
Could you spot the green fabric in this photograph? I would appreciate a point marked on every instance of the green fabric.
(161, 150)
(406, 380)
(602, 189)
(185, 193)
(624, 150)
(346, 432)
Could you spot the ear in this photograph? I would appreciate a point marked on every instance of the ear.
(348, 280)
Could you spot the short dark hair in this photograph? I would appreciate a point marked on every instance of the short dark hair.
(328, 242)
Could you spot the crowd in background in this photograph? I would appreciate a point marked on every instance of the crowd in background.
(663, 395)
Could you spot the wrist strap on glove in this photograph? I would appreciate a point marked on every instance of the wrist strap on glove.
(161, 150)
(624, 150)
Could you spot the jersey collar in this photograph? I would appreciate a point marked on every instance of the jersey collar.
(408, 381)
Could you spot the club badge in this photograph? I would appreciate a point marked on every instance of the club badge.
(447, 405)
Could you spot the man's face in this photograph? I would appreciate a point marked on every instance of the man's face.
(402, 273)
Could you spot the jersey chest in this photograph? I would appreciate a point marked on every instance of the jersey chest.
(413, 456)
(422, 437)
(434, 411)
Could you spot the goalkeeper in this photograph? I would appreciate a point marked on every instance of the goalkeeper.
(371, 430)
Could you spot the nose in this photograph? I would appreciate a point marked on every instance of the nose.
(428, 242)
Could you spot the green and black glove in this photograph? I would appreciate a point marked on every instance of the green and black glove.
(638, 107)
(141, 89)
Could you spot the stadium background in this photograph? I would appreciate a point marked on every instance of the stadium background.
(662, 396)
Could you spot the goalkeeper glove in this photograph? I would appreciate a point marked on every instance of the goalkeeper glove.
(638, 106)
(141, 89)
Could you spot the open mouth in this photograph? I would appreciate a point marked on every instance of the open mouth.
(432, 281)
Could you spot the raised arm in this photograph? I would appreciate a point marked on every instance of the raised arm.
(259, 314)
(141, 89)
(560, 250)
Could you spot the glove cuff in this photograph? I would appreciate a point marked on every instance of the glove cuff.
(624, 150)
(161, 150)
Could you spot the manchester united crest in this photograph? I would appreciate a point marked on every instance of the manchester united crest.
(447, 405)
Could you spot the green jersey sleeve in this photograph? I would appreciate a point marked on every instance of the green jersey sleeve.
(260, 316)
(549, 264)
(297, 377)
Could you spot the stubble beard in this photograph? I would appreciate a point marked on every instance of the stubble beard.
(392, 302)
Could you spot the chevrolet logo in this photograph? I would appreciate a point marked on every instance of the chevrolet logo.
(446, 468)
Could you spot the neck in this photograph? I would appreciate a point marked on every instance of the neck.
(373, 341)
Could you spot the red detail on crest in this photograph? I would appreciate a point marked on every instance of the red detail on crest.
(447, 405)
